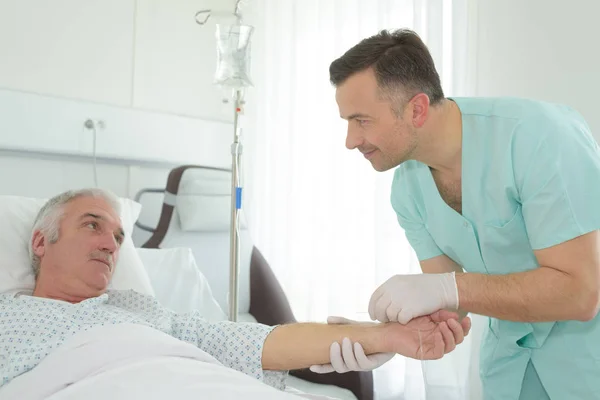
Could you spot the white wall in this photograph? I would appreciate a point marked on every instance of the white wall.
(33, 122)
(544, 49)
(175, 59)
(144, 67)
(66, 48)
(148, 54)
(43, 176)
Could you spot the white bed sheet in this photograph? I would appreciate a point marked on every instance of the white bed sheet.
(127, 361)
(179, 285)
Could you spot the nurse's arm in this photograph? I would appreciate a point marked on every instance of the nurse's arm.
(440, 265)
(566, 286)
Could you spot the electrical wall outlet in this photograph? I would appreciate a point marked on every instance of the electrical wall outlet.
(91, 124)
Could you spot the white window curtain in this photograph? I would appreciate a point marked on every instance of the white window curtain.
(320, 214)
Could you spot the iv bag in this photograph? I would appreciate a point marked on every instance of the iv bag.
(233, 56)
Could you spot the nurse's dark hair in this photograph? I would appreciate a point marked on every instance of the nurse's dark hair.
(401, 62)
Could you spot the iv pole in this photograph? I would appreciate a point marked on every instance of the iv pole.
(233, 45)
(236, 205)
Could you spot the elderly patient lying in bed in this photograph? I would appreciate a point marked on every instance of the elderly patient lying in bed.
(74, 248)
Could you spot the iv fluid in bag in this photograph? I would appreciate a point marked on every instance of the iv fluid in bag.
(233, 56)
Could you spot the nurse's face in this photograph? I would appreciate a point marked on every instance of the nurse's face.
(382, 136)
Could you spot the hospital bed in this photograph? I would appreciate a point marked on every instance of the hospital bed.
(98, 364)
(195, 214)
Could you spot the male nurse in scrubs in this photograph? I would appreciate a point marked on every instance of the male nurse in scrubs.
(500, 199)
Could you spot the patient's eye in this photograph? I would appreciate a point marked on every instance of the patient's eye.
(94, 225)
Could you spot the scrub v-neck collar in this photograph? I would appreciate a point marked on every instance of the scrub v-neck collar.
(430, 188)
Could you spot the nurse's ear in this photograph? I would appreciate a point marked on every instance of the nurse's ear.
(419, 109)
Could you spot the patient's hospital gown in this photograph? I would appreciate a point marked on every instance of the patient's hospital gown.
(32, 327)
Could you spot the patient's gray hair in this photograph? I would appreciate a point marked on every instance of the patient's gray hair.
(48, 218)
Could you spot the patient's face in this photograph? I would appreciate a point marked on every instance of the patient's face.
(83, 259)
(384, 138)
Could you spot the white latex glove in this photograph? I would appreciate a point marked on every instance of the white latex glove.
(404, 297)
(348, 357)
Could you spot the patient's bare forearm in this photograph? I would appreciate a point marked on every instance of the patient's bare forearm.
(301, 345)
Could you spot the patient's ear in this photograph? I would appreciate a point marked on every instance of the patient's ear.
(38, 243)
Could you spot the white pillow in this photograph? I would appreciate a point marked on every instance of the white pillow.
(18, 214)
(178, 283)
(201, 190)
(194, 218)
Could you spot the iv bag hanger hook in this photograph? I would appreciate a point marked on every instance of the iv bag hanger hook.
(203, 16)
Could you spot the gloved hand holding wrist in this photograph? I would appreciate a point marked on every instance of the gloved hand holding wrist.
(428, 337)
(404, 297)
(350, 356)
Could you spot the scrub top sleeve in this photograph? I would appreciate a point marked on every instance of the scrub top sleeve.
(560, 187)
(412, 223)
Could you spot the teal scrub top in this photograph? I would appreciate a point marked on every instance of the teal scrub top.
(530, 180)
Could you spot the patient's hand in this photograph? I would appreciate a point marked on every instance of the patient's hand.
(428, 337)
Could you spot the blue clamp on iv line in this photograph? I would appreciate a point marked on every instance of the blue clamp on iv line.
(238, 198)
